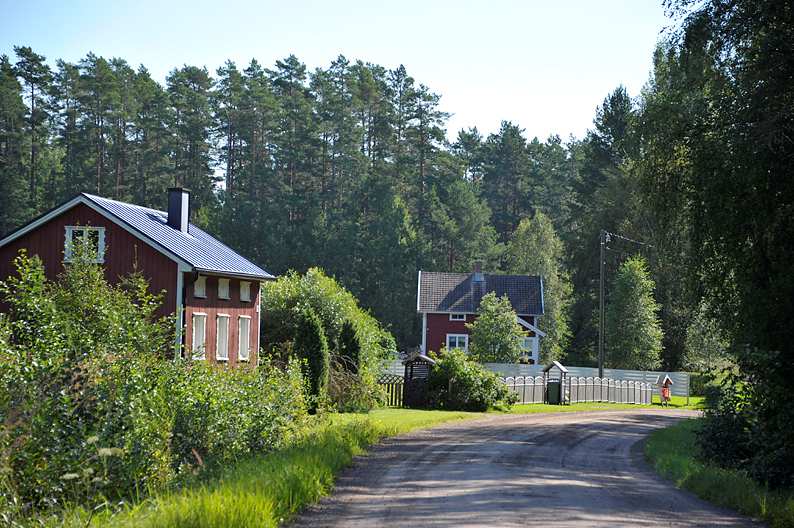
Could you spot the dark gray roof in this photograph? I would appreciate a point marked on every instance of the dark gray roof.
(458, 292)
(196, 247)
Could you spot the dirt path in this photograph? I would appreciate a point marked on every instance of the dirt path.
(568, 469)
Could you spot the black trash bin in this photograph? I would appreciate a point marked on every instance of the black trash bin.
(553, 387)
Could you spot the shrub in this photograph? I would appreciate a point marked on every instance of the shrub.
(311, 347)
(457, 383)
(349, 347)
(339, 313)
(90, 410)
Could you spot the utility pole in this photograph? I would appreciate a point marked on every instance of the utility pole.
(602, 240)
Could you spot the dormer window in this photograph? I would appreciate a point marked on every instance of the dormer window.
(91, 239)
(200, 287)
(245, 291)
(223, 289)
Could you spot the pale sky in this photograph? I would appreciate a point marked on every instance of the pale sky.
(545, 65)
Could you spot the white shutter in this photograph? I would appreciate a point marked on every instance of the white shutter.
(222, 350)
(199, 335)
(223, 288)
(245, 291)
(200, 287)
(245, 339)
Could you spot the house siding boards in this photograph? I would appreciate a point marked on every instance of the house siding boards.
(212, 306)
(140, 239)
(124, 253)
(439, 325)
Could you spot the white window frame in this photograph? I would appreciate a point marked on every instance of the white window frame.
(457, 317)
(218, 318)
(240, 338)
(195, 353)
(200, 287)
(245, 286)
(227, 282)
(457, 337)
(69, 235)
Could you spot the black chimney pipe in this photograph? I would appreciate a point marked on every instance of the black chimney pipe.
(179, 208)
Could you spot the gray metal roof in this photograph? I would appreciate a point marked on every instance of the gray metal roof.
(459, 292)
(196, 247)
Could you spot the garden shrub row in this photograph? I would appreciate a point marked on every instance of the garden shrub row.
(457, 383)
(93, 408)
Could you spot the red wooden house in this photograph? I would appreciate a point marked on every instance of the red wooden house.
(213, 291)
(448, 301)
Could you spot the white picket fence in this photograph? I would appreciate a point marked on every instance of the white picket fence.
(525, 373)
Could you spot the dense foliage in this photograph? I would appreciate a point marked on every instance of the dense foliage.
(311, 347)
(91, 410)
(495, 334)
(458, 383)
(632, 322)
(347, 330)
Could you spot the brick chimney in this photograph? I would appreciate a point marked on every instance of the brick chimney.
(179, 208)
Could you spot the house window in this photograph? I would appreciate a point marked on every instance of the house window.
(200, 287)
(245, 291)
(222, 350)
(460, 341)
(529, 348)
(245, 338)
(457, 317)
(223, 289)
(92, 239)
(199, 335)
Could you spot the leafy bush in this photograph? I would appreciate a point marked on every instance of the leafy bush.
(312, 348)
(457, 383)
(284, 300)
(91, 410)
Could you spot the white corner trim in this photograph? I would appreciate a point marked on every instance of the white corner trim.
(529, 326)
(542, 302)
(418, 290)
(180, 314)
(424, 333)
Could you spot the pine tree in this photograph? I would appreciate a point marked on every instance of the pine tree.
(12, 146)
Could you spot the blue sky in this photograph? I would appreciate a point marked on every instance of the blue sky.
(545, 65)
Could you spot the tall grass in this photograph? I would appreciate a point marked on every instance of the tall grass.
(673, 453)
(264, 491)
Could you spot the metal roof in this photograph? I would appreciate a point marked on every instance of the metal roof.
(460, 293)
(196, 247)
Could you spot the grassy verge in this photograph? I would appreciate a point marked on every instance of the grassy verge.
(673, 451)
(264, 491)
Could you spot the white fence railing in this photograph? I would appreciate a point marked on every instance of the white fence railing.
(520, 374)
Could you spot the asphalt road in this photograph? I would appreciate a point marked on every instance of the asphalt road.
(567, 469)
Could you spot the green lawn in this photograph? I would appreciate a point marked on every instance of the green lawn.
(267, 489)
(677, 402)
(673, 453)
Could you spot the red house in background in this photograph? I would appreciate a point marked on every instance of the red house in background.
(213, 291)
(447, 301)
